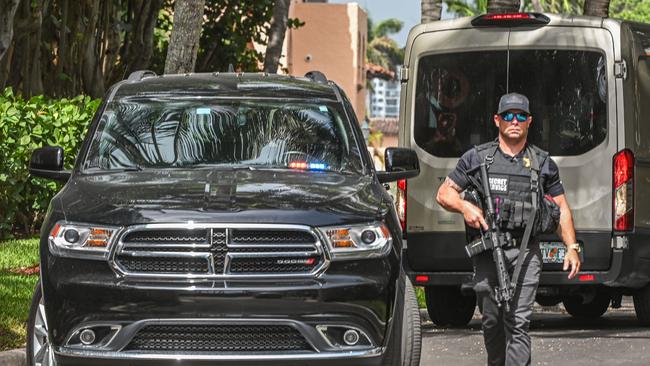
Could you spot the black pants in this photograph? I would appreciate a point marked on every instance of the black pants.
(506, 334)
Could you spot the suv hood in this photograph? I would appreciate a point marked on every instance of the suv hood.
(260, 196)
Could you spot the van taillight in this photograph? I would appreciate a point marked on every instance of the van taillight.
(401, 203)
(623, 205)
(510, 20)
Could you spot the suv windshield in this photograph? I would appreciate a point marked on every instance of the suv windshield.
(154, 132)
(457, 96)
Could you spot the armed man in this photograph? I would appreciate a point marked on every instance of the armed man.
(518, 202)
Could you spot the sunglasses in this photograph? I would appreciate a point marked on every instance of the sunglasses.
(510, 116)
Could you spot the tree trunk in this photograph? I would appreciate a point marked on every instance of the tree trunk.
(503, 6)
(431, 10)
(7, 12)
(276, 35)
(186, 33)
(597, 8)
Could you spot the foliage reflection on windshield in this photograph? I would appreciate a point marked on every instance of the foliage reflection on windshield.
(179, 133)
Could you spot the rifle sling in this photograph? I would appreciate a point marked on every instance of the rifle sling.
(534, 186)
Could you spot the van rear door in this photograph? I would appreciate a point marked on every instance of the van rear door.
(567, 73)
(458, 74)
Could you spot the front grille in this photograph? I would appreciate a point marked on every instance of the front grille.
(218, 252)
(276, 236)
(165, 265)
(168, 236)
(218, 338)
(273, 265)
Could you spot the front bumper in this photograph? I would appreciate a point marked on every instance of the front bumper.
(359, 295)
(371, 357)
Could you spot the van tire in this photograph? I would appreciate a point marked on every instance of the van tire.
(592, 310)
(405, 343)
(548, 300)
(448, 306)
(641, 299)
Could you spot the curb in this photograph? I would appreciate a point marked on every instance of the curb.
(15, 357)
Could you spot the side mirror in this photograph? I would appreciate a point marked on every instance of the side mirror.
(47, 162)
(401, 163)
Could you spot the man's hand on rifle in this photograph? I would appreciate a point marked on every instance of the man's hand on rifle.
(474, 216)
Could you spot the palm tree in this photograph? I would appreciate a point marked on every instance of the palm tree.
(431, 10)
(554, 6)
(463, 8)
(277, 32)
(383, 50)
(597, 8)
(503, 6)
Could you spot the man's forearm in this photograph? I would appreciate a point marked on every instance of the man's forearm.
(449, 196)
(566, 229)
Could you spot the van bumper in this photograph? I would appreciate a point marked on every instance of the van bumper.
(609, 277)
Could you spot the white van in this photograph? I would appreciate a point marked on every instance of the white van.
(588, 81)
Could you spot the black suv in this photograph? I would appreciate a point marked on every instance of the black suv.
(223, 218)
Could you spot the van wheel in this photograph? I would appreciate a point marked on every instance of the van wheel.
(548, 300)
(448, 306)
(39, 350)
(642, 304)
(406, 336)
(593, 309)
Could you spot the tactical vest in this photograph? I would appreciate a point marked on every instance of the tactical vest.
(510, 185)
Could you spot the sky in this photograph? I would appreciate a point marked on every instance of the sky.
(407, 11)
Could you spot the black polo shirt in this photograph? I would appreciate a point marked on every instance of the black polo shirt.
(550, 174)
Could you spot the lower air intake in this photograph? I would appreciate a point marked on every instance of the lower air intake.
(218, 338)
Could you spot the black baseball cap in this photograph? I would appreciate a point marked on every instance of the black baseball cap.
(513, 101)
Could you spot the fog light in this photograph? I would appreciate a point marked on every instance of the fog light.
(87, 337)
(71, 236)
(351, 337)
(368, 237)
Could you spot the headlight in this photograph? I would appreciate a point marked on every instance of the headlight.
(81, 240)
(357, 241)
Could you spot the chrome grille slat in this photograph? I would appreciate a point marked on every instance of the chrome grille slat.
(222, 251)
(164, 254)
(273, 254)
(158, 245)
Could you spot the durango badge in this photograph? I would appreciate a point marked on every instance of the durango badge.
(306, 261)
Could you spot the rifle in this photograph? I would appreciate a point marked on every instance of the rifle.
(504, 292)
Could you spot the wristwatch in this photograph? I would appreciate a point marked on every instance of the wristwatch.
(575, 246)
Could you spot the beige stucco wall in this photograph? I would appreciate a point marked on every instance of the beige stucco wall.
(333, 41)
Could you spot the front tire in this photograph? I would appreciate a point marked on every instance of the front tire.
(447, 305)
(642, 304)
(39, 349)
(405, 344)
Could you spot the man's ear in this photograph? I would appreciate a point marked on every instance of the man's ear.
(496, 120)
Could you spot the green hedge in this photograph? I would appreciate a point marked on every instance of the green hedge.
(24, 126)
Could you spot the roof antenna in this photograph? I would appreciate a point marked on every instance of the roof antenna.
(231, 68)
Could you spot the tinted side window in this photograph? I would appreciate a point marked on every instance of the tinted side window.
(455, 99)
(458, 94)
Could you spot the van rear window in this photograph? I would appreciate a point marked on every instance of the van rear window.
(457, 95)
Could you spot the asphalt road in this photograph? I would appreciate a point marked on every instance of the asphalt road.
(558, 339)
